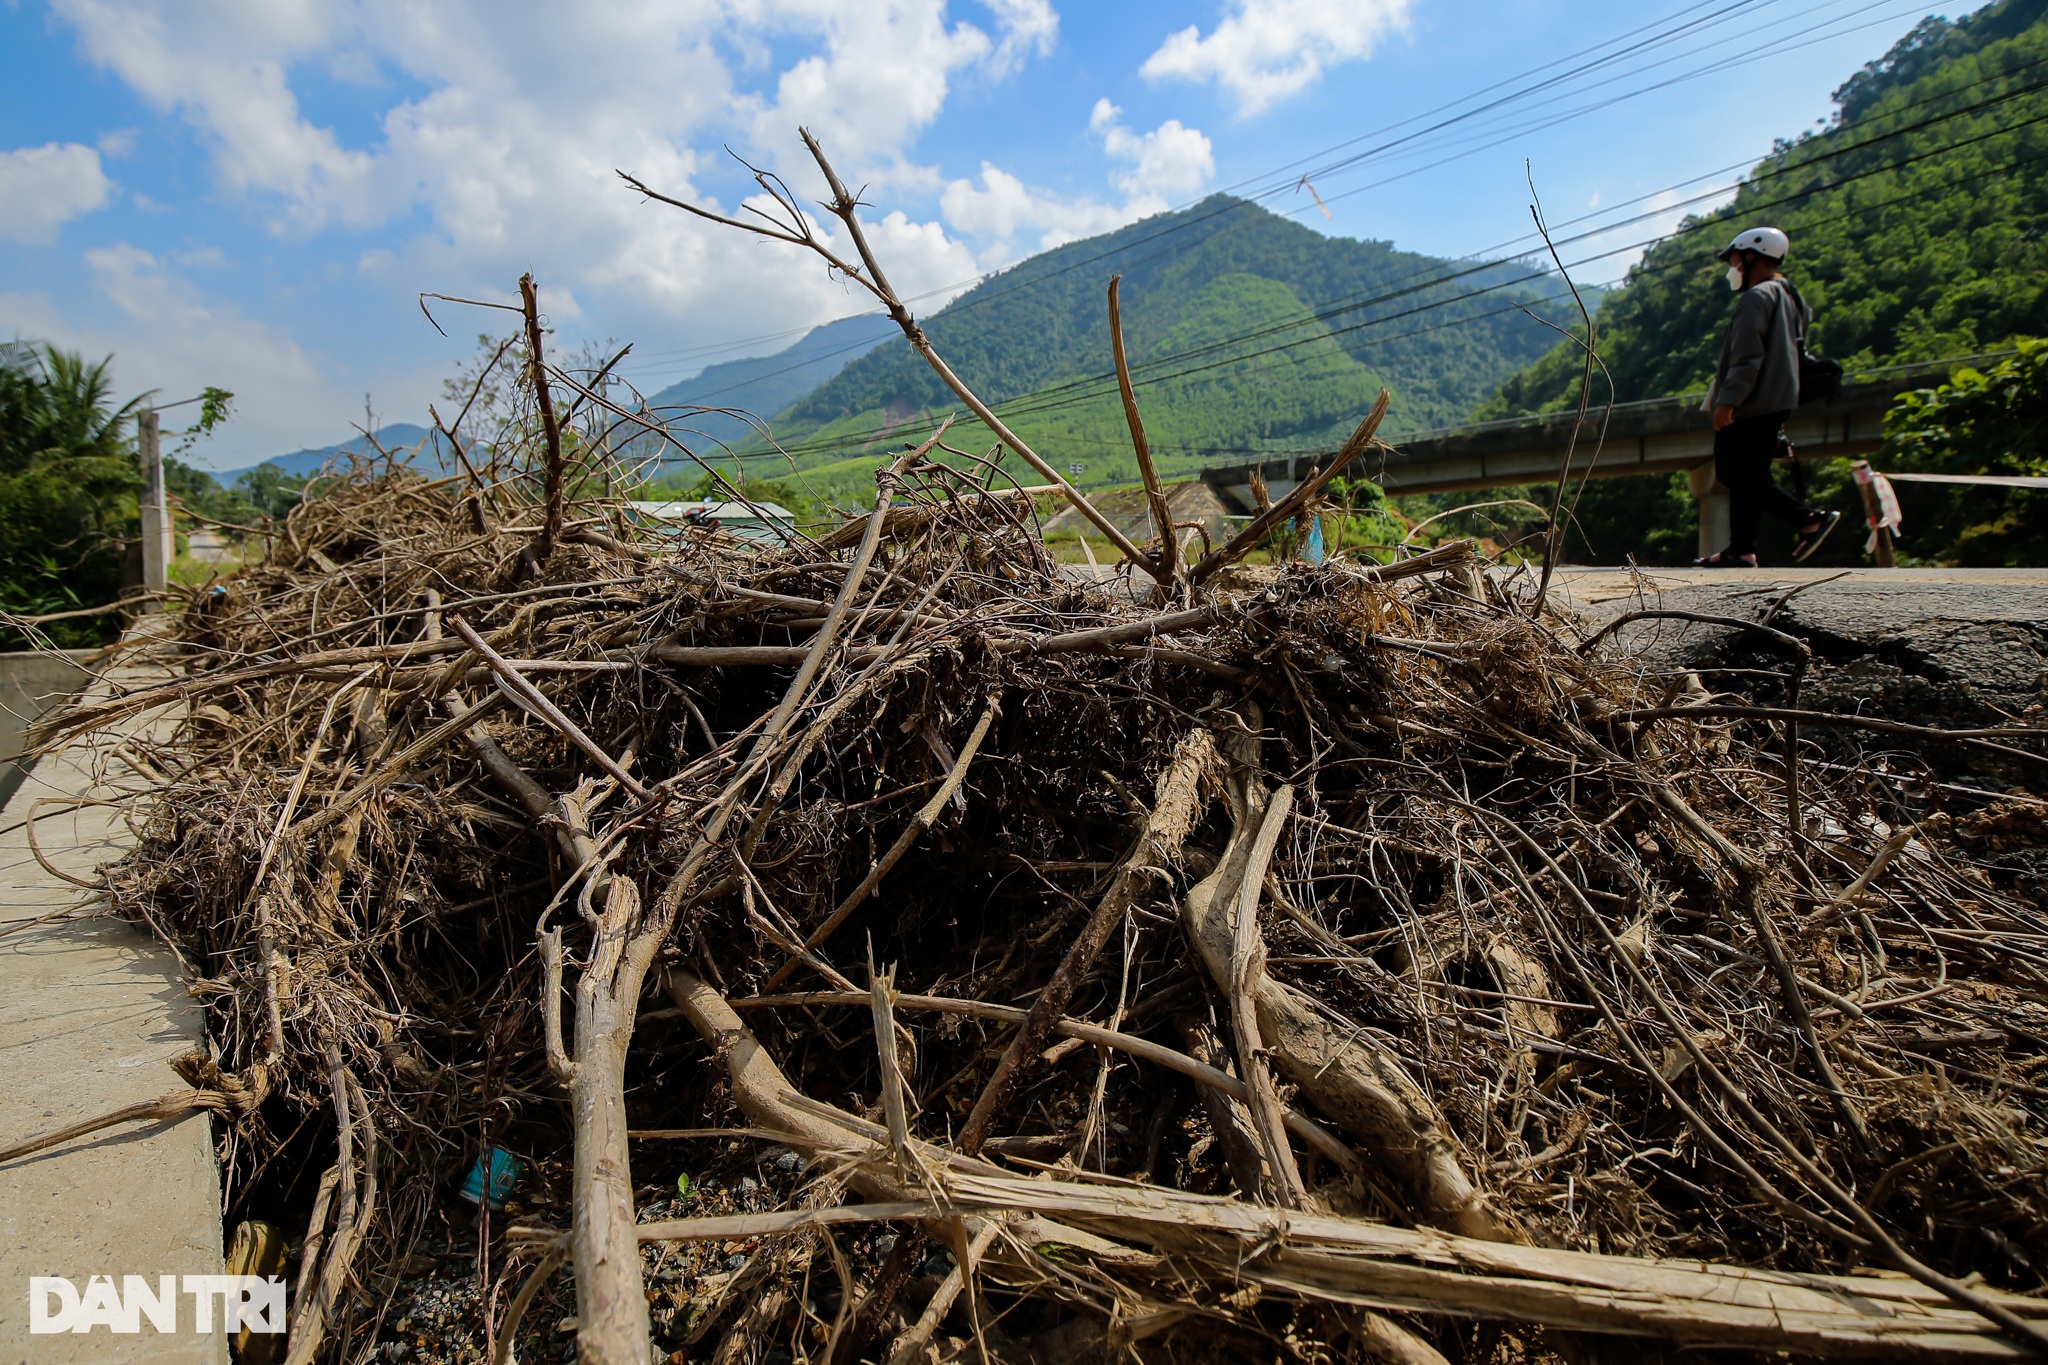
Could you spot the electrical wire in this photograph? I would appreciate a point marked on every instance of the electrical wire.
(1077, 391)
(1028, 404)
(1329, 311)
(1724, 13)
(1140, 376)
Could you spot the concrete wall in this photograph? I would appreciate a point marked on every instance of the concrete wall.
(30, 683)
(92, 1015)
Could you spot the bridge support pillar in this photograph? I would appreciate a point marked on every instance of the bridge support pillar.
(1713, 504)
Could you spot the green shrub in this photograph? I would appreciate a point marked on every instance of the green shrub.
(1991, 421)
(68, 486)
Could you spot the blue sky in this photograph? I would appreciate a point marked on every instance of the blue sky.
(253, 193)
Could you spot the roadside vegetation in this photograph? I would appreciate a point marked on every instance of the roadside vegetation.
(1917, 220)
(68, 487)
(1248, 333)
(70, 518)
(1988, 421)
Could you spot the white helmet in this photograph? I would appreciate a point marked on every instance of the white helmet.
(1764, 241)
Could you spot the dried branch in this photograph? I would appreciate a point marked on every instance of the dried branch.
(1155, 495)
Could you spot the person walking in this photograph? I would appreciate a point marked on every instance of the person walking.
(1756, 386)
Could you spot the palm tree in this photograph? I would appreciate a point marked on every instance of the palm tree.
(68, 480)
(55, 407)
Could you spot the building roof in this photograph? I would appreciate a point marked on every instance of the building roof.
(717, 511)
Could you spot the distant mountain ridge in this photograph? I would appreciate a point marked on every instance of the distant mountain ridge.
(761, 385)
(1247, 331)
(395, 437)
(765, 385)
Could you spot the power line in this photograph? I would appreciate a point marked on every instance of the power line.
(1722, 14)
(1743, 4)
(1326, 312)
(1031, 404)
(1083, 397)
(1714, 68)
(1330, 312)
(1291, 167)
(1503, 251)
(1523, 130)
(1052, 398)
(1759, 53)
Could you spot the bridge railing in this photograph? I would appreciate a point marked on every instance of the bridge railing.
(1681, 401)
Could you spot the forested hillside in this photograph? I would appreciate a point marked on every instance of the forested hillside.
(1916, 221)
(1246, 331)
(766, 384)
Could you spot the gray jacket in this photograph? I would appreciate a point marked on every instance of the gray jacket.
(1759, 367)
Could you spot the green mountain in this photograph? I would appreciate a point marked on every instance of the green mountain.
(1248, 333)
(770, 383)
(397, 437)
(1917, 221)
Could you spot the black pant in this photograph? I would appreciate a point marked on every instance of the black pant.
(1743, 451)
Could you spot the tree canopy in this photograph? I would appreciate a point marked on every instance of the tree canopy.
(70, 517)
(1917, 222)
(68, 482)
(1248, 333)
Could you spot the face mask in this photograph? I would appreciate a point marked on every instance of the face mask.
(1735, 278)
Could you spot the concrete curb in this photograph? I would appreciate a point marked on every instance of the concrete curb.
(91, 1013)
(30, 682)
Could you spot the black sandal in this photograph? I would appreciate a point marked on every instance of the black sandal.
(1809, 541)
(1721, 559)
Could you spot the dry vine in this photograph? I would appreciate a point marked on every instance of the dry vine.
(1309, 961)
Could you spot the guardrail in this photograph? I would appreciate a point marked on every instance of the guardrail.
(1642, 436)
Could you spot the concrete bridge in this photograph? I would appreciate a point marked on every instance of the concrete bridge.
(1655, 436)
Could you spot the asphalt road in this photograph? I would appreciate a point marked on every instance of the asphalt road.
(1946, 647)
(1860, 603)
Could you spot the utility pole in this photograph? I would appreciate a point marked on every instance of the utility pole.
(158, 545)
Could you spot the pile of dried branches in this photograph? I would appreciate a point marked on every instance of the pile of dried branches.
(1302, 962)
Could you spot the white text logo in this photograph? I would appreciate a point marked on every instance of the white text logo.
(55, 1304)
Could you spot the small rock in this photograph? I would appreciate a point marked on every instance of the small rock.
(788, 1162)
(885, 1246)
(748, 1184)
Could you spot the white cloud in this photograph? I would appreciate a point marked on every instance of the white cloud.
(513, 102)
(496, 131)
(1002, 209)
(166, 334)
(1266, 50)
(883, 75)
(514, 124)
(43, 188)
(224, 67)
(1171, 160)
(1028, 27)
